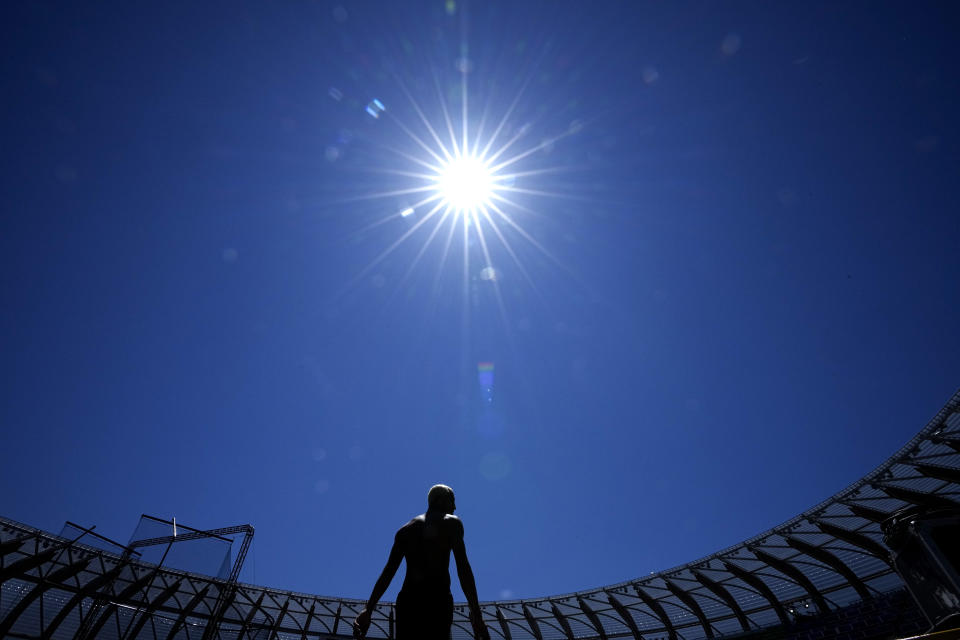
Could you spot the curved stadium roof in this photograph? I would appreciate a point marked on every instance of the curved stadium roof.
(827, 557)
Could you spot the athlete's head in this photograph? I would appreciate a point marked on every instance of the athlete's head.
(440, 498)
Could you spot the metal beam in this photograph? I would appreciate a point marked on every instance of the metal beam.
(532, 621)
(624, 614)
(855, 538)
(867, 513)
(562, 619)
(720, 591)
(52, 579)
(796, 575)
(89, 590)
(503, 625)
(276, 623)
(253, 610)
(592, 617)
(953, 443)
(306, 624)
(226, 594)
(940, 473)
(23, 565)
(241, 553)
(931, 500)
(123, 597)
(336, 616)
(832, 561)
(67, 572)
(693, 605)
(165, 595)
(187, 610)
(245, 529)
(760, 587)
(11, 545)
(657, 609)
(194, 535)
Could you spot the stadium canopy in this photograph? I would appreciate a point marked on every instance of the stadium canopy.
(826, 558)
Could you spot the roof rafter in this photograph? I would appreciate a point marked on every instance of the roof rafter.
(720, 591)
(592, 617)
(562, 619)
(692, 604)
(855, 538)
(532, 621)
(760, 587)
(624, 614)
(832, 561)
(657, 608)
(796, 575)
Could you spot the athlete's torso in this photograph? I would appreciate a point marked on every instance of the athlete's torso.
(427, 541)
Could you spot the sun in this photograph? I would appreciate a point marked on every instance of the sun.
(466, 177)
(466, 183)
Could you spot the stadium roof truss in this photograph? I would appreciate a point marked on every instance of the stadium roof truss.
(825, 558)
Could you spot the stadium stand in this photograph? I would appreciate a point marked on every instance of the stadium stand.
(829, 573)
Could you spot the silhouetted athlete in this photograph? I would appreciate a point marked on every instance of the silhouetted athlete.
(424, 604)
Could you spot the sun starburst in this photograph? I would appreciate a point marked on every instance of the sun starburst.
(452, 172)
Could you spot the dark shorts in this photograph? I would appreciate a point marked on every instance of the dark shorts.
(424, 616)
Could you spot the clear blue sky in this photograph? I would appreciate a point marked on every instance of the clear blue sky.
(752, 297)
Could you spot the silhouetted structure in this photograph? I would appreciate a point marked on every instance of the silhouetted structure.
(825, 574)
(925, 548)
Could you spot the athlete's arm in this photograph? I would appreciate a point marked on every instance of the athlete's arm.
(362, 623)
(467, 582)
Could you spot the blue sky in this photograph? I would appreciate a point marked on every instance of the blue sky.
(734, 291)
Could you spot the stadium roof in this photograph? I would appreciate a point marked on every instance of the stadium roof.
(827, 557)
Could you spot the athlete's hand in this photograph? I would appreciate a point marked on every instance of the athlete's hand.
(361, 624)
(479, 628)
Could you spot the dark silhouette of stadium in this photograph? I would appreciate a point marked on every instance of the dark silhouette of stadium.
(877, 560)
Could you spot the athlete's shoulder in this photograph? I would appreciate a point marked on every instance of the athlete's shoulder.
(453, 523)
(414, 523)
